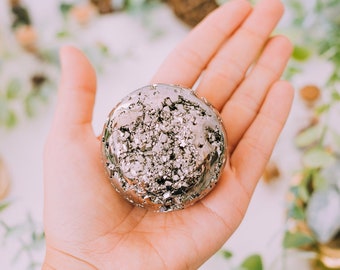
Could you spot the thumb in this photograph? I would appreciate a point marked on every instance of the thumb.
(77, 90)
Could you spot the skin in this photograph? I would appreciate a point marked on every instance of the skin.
(89, 226)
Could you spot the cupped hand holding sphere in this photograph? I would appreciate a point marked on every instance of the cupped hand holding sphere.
(89, 225)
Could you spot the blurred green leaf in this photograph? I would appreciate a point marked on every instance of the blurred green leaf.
(336, 139)
(8, 117)
(38, 239)
(34, 265)
(43, 93)
(318, 157)
(12, 119)
(301, 53)
(253, 262)
(13, 89)
(63, 34)
(336, 96)
(4, 206)
(16, 230)
(30, 104)
(291, 71)
(50, 55)
(227, 254)
(65, 8)
(303, 193)
(319, 182)
(298, 10)
(297, 240)
(38, 236)
(322, 109)
(296, 212)
(3, 111)
(294, 190)
(309, 136)
(103, 49)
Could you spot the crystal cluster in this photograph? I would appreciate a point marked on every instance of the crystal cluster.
(164, 148)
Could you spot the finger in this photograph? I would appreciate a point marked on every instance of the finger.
(253, 151)
(77, 91)
(247, 100)
(229, 66)
(184, 65)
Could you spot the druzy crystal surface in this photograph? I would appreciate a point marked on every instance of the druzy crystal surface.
(163, 147)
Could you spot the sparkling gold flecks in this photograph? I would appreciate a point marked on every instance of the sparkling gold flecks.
(164, 148)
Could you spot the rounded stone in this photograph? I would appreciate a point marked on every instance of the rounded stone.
(163, 147)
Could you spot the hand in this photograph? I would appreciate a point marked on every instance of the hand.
(89, 226)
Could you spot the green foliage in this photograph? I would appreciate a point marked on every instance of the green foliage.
(227, 254)
(65, 8)
(11, 119)
(30, 105)
(336, 139)
(318, 157)
(303, 193)
(309, 136)
(324, 108)
(291, 71)
(15, 93)
(296, 211)
(28, 235)
(335, 95)
(318, 182)
(253, 262)
(62, 34)
(301, 53)
(8, 117)
(13, 89)
(140, 5)
(299, 12)
(297, 240)
(4, 205)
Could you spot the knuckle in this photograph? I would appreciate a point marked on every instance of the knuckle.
(188, 56)
(256, 145)
(256, 38)
(266, 69)
(227, 70)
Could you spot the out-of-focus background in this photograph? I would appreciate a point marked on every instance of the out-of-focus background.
(293, 221)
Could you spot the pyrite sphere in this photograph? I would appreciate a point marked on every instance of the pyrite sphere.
(163, 147)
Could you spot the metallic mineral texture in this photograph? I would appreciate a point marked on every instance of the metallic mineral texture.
(163, 147)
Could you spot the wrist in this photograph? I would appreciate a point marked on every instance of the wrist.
(58, 260)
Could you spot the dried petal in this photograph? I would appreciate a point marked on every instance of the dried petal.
(271, 172)
(310, 94)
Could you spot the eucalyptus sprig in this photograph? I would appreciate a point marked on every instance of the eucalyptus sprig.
(29, 67)
(28, 236)
(23, 85)
(316, 187)
(251, 262)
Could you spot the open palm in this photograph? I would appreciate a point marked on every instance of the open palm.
(89, 226)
